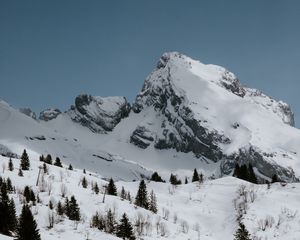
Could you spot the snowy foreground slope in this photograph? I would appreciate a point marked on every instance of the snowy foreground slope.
(191, 211)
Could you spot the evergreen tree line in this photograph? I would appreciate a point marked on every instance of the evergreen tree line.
(107, 223)
(24, 228)
(48, 160)
(245, 172)
(175, 181)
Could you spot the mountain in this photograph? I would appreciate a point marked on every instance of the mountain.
(188, 115)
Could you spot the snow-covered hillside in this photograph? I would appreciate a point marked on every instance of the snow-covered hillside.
(205, 211)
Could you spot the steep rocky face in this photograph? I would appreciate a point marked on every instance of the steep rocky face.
(204, 109)
(49, 114)
(99, 114)
(28, 112)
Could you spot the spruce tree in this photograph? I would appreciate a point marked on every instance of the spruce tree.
(252, 176)
(27, 194)
(48, 159)
(153, 202)
(174, 180)
(141, 198)
(70, 167)
(195, 176)
(123, 193)
(45, 168)
(9, 186)
(84, 183)
(124, 229)
(111, 188)
(27, 228)
(67, 207)
(42, 158)
(110, 222)
(12, 218)
(59, 209)
(74, 211)
(186, 181)
(57, 162)
(10, 165)
(242, 233)
(4, 210)
(96, 188)
(156, 178)
(275, 178)
(50, 205)
(20, 173)
(25, 163)
(32, 197)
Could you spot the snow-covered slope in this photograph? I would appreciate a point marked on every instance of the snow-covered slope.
(205, 211)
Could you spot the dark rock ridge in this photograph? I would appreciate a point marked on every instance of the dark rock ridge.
(49, 114)
(99, 114)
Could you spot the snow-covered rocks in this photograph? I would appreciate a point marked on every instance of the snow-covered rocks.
(49, 114)
(99, 114)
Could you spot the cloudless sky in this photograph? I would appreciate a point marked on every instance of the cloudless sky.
(51, 51)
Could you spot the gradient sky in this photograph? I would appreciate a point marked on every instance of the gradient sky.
(51, 51)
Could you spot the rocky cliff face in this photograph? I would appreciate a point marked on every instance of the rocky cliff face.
(49, 114)
(28, 112)
(204, 109)
(99, 114)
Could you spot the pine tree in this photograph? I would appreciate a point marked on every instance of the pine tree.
(70, 167)
(67, 207)
(186, 181)
(156, 178)
(84, 183)
(32, 197)
(45, 168)
(12, 218)
(27, 194)
(275, 178)
(153, 202)
(10, 165)
(110, 222)
(20, 173)
(252, 176)
(57, 162)
(84, 172)
(74, 211)
(25, 163)
(141, 198)
(111, 188)
(195, 176)
(50, 205)
(123, 193)
(9, 186)
(96, 188)
(4, 210)
(244, 173)
(174, 180)
(48, 159)
(124, 229)
(242, 233)
(42, 158)
(59, 209)
(128, 197)
(27, 229)
(236, 172)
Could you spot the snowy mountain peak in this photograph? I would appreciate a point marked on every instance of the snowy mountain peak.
(204, 109)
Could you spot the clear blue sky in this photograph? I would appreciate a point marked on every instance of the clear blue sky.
(51, 51)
